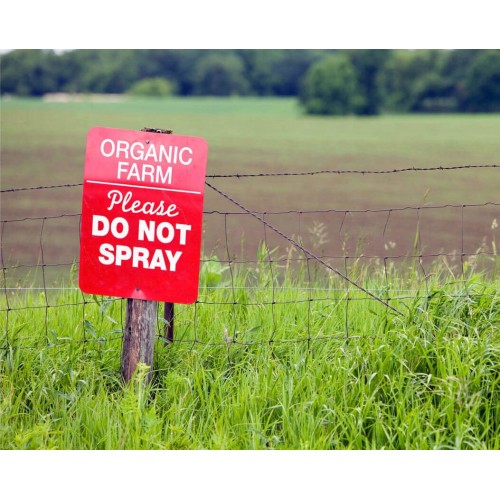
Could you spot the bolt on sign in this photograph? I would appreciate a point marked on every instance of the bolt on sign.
(142, 214)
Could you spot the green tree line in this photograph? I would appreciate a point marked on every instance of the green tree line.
(362, 82)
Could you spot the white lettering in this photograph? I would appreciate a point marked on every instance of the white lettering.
(183, 228)
(169, 156)
(114, 228)
(148, 171)
(100, 225)
(172, 259)
(151, 153)
(139, 257)
(158, 261)
(134, 172)
(144, 172)
(116, 198)
(189, 160)
(107, 256)
(160, 234)
(122, 253)
(137, 146)
(121, 169)
(165, 178)
(145, 230)
(148, 208)
(111, 151)
(122, 149)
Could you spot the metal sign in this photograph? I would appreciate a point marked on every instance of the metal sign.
(142, 214)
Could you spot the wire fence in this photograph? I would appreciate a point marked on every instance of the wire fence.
(263, 273)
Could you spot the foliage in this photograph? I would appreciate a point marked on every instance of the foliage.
(386, 80)
(220, 75)
(401, 76)
(278, 72)
(368, 64)
(442, 81)
(331, 87)
(482, 83)
(433, 93)
(99, 71)
(153, 87)
(29, 72)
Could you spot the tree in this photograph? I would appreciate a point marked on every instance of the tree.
(175, 65)
(482, 83)
(330, 87)
(260, 70)
(220, 75)
(105, 71)
(433, 93)
(153, 87)
(399, 77)
(291, 67)
(367, 63)
(29, 72)
(277, 71)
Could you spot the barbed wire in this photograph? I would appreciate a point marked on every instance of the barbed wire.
(15, 190)
(289, 174)
(342, 172)
(357, 211)
(299, 212)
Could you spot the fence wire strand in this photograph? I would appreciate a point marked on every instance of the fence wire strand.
(331, 284)
(291, 174)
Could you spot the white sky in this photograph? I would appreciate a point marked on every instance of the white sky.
(256, 24)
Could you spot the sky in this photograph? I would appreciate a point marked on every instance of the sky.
(257, 24)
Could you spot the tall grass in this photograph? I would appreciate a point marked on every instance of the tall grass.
(266, 359)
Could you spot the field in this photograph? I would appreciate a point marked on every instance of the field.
(43, 144)
(279, 352)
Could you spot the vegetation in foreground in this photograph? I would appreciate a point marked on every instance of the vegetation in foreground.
(265, 366)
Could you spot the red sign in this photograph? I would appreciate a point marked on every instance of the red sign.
(142, 214)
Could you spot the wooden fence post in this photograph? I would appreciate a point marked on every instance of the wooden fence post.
(138, 336)
(140, 323)
(168, 316)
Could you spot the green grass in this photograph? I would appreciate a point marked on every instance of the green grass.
(301, 368)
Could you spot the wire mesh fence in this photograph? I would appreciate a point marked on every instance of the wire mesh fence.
(268, 277)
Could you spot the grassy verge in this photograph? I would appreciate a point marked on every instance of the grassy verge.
(260, 363)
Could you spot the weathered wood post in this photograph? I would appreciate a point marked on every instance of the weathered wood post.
(168, 316)
(138, 336)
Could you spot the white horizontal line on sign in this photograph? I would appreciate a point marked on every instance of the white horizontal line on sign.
(144, 187)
